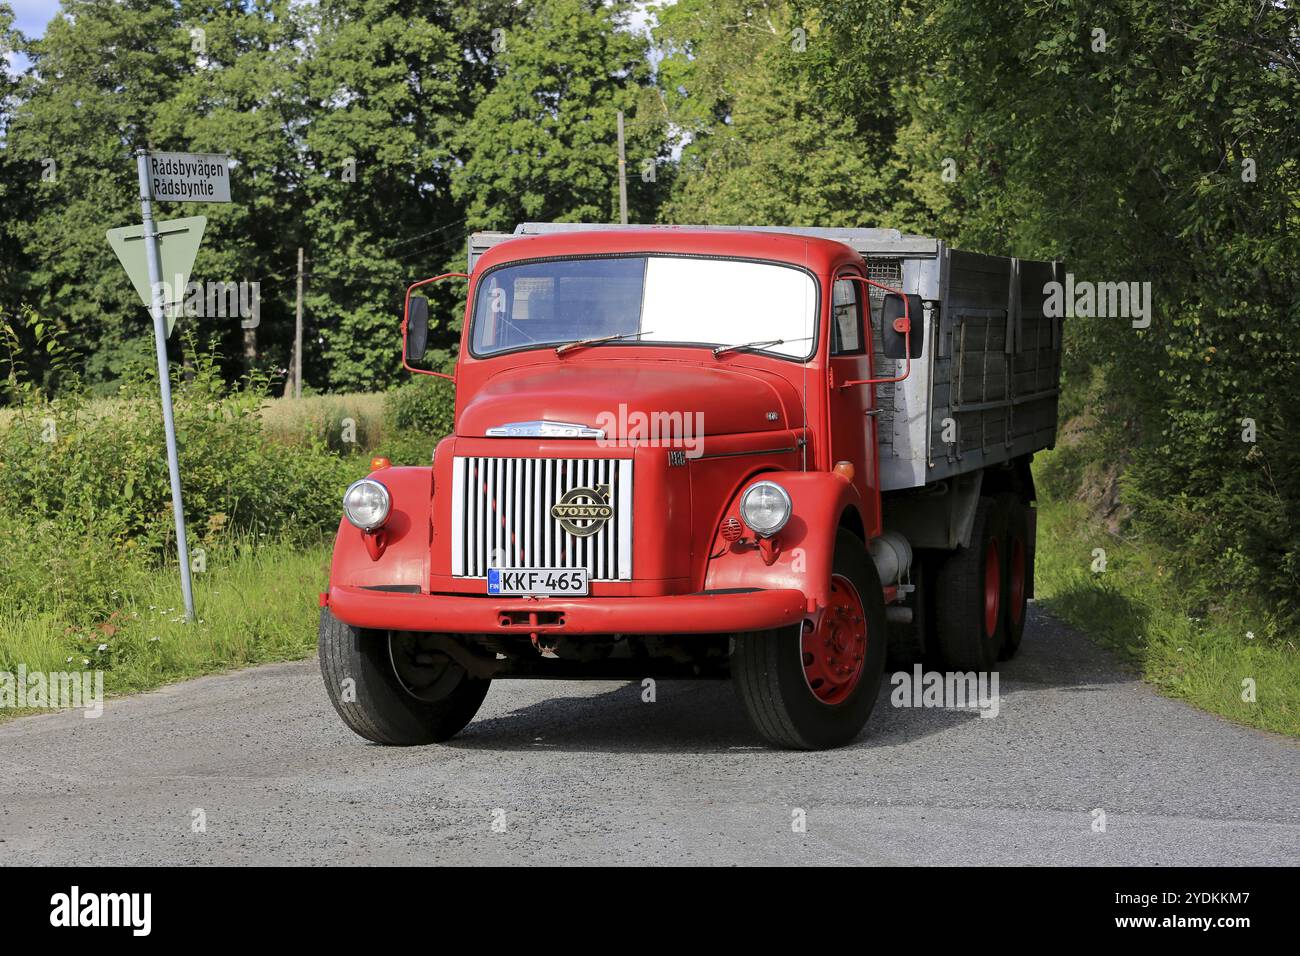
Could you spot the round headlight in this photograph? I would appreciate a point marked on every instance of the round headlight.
(366, 504)
(765, 508)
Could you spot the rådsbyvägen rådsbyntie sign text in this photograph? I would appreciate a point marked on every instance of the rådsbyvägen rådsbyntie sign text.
(189, 177)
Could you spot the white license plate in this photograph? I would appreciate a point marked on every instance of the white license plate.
(551, 582)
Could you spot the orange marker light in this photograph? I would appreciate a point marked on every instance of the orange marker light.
(844, 469)
(379, 462)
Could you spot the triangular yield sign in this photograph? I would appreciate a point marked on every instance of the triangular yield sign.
(178, 244)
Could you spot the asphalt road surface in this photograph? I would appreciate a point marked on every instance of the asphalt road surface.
(586, 772)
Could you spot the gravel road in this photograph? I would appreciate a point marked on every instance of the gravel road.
(586, 772)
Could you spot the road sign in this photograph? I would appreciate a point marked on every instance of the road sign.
(168, 250)
(189, 177)
(158, 258)
(178, 244)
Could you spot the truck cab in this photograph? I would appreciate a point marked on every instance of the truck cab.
(666, 462)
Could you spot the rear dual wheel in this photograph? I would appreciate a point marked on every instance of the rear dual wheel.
(982, 590)
(969, 617)
(1018, 547)
(812, 686)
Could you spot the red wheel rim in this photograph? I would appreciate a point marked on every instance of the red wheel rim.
(992, 587)
(1016, 584)
(835, 650)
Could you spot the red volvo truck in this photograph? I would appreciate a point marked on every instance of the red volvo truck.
(780, 455)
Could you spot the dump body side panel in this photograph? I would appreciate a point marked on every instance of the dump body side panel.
(996, 366)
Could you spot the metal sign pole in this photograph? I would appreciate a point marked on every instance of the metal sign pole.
(164, 375)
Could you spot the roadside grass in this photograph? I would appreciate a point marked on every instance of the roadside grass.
(361, 423)
(293, 422)
(256, 603)
(345, 422)
(1138, 608)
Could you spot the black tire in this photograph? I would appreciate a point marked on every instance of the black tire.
(377, 705)
(767, 668)
(1019, 551)
(927, 564)
(968, 634)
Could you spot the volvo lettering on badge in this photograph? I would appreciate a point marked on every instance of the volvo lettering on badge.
(583, 511)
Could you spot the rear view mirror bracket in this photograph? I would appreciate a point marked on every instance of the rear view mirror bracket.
(415, 325)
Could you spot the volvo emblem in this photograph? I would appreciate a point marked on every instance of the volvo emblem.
(544, 429)
(583, 511)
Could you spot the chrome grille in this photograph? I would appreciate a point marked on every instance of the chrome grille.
(501, 516)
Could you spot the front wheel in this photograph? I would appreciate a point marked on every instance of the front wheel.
(810, 687)
(393, 689)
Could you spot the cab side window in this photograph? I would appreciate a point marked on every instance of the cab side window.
(846, 318)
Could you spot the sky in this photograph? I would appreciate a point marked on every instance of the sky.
(30, 16)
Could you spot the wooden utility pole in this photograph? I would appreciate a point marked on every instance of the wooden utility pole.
(622, 174)
(297, 335)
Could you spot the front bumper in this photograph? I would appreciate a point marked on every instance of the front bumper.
(716, 612)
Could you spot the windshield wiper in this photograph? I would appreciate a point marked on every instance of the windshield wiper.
(761, 343)
(567, 346)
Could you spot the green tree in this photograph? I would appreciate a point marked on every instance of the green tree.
(1139, 141)
(91, 95)
(390, 87)
(542, 144)
(765, 138)
(243, 95)
(16, 178)
(108, 78)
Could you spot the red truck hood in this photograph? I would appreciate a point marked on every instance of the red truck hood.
(608, 394)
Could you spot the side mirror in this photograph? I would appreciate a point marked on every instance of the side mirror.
(893, 342)
(417, 328)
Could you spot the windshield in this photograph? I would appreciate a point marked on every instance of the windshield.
(659, 299)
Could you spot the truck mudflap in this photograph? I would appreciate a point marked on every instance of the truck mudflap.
(705, 612)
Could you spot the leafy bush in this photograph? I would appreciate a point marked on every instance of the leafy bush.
(1230, 507)
(85, 492)
(64, 460)
(255, 602)
(416, 417)
(408, 448)
(425, 404)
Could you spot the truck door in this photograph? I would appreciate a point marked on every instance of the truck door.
(853, 424)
